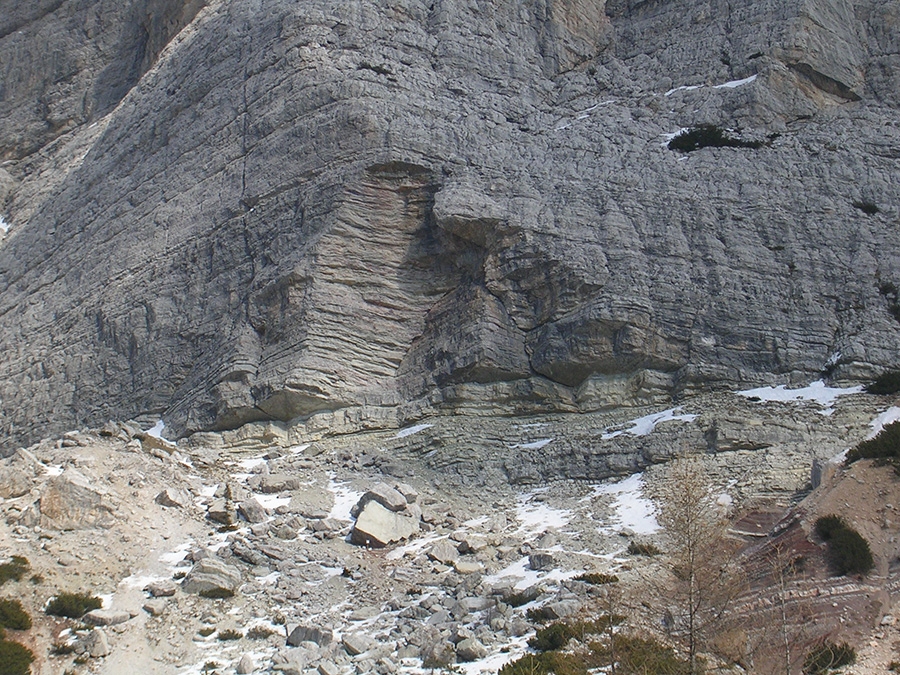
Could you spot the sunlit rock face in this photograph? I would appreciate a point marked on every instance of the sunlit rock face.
(269, 210)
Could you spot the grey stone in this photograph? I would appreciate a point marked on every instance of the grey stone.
(71, 501)
(275, 482)
(161, 589)
(356, 644)
(211, 575)
(174, 497)
(221, 511)
(470, 649)
(541, 561)
(444, 551)
(376, 526)
(385, 495)
(252, 511)
(246, 665)
(328, 668)
(98, 643)
(300, 634)
(155, 607)
(106, 617)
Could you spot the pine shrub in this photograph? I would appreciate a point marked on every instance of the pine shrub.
(885, 446)
(848, 551)
(597, 578)
(73, 605)
(12, 615)
(15, 659)
(886, 384)
(645, 549)
(13, 570)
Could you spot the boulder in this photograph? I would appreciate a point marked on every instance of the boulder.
(274, 482)
(221, 510)
(356, 644)
(174, 497)
(161, 589)
(301, 634)
(245, 666)
(71, 502)
(252, 511)
(106, 617)
(377, 527)
(97, 644)
(211, 576)
(470, 649)
(387, 496)
(540, 561)
(444, 552)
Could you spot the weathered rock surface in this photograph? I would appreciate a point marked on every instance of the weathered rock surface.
(377, 526)
(353, 206)
(211, 576)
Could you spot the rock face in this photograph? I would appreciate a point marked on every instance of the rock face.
(459, 206)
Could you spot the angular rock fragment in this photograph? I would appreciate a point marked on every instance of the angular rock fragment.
(174, 497)
(212, 577)
(377, 527)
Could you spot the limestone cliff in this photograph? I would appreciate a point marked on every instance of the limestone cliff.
(269, 209)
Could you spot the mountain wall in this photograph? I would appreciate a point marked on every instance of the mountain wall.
(238, 211)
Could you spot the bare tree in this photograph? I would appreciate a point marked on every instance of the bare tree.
(706, 576)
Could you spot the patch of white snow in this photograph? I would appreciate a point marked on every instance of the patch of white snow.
(889, 416)
(733, 84)
(646, 424)
(534, 445)
(409, 431)
(817, 391)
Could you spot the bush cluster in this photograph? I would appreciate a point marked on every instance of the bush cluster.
(885, 384)
(708, 136)
(12, 615)
(827, 656)
(885, 447)
(15, 659)
(13, 570)
(848, 551)
(73, 605)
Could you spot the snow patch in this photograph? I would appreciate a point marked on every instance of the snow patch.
(249, 464)
(157, 430)
(177, 554)
(734, 84)
(631, 509)
(52, 471)
(817, 391)
(644, 425)
(536, 518)
(889, 416)
(270, 501)
(345, 498)
(534, 445)
(4, 226)
(409, 431)
(689, 87)
(528, 577)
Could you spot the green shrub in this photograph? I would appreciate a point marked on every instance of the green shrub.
(708, 136)
(597, 578)
(12, 615)
(519, 598)
(826, 526)
(849, 553)
(636, 655)
(548, 662)
(15, 659)
(828, 656)
(885, 384)
(13, 570)
(554, 636)
(73, 605)
(885, 446)
(645, 549)
(539, 615)
(866, 206)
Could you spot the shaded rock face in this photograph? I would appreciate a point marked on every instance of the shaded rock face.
(459, 206)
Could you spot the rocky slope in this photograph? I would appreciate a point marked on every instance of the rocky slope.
(260, 211)
(267, 514)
